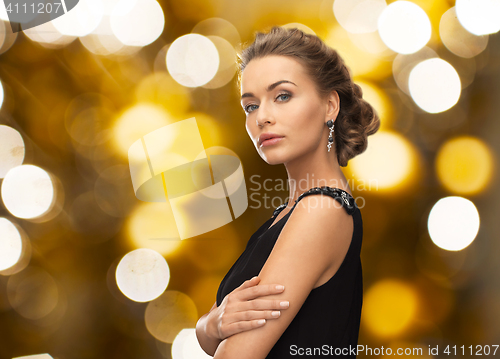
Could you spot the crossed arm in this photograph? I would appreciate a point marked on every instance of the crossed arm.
(315, 239)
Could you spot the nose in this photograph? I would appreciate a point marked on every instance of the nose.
(264, 115)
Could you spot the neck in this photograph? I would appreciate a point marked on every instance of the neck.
(314, 170)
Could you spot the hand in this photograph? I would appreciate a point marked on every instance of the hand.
(240, 311)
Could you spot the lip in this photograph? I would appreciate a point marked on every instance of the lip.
(271, 141)
(267, 136)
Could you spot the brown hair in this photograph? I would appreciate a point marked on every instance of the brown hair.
(357, 119)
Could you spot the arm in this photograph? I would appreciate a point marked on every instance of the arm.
(207, 343)
(315, 238)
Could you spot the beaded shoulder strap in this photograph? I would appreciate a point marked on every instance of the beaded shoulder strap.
(338, 194)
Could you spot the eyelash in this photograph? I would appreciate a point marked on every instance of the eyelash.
(281, 94)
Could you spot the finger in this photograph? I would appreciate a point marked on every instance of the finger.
(243, 326)
(248, 283)
(260, 291)
(264, 304)
(250, 315)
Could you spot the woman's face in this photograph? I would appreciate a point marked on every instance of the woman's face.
(291, 109)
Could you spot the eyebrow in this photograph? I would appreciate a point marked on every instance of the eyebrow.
(269, 88)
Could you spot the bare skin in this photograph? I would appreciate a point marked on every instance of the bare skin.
(240, 310)
(292, 109)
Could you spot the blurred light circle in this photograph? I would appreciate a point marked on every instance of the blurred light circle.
(434, 85)
(137, 121)
(138, 23)
(25, 256)
(479, 17)
(465, 165)
(387, 162)
(11, 244)
(404, 27)
(390, 306)
(187, 346)
(45, 33)
(3, 12)
(192, 60)
(167, 315)
(227, 64)
(7, 37)
(403, 64)
(153, 225)
(142, 275)
(102, 41)
(81, 20)
(160, 87)
(27, 191)
(216, 26)
(358, 16)
(298, 25)
(11, 149)
(379, 100)
(33, 293)
(457, 39)
(453, 223)
(1, 87)
(3, 34)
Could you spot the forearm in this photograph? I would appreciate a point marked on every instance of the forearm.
(208, 344)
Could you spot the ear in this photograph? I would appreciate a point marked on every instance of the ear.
(333, 105)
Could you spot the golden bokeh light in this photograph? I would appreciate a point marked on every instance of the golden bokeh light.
(162, 90)
(453, 223)
(28, 191)
(358, 16)
(167, 315)
(479, 17)
(300, 26)
(227, 63)
(434, 85)
(81, 20)
(11, 244)
(142, 275)
(457, 39)
(33, 293)
(9, 232)
(377, 98)
(187, 346)
(404, 64)
(137, 121)
(216, 26)
(12, 149)
(1, 86)
(388, 162)
(152, 225)
(103, 41)
(465, 165)
(192, 60)
(389, 308)
(404, 27)
(137, 23)
(360, 63)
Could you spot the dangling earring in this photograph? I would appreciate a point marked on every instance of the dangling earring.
(330, 138)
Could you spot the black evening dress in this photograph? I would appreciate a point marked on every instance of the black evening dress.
(327, 324)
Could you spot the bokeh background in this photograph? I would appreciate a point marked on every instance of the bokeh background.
(81, 273)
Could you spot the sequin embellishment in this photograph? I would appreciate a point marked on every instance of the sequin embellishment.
(339, 194)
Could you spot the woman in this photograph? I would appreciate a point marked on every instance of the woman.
(298, 89)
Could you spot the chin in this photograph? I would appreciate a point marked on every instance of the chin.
(273, 160)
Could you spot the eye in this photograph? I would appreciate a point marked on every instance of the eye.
(283, 94)
(247, 107)
(279, 96)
